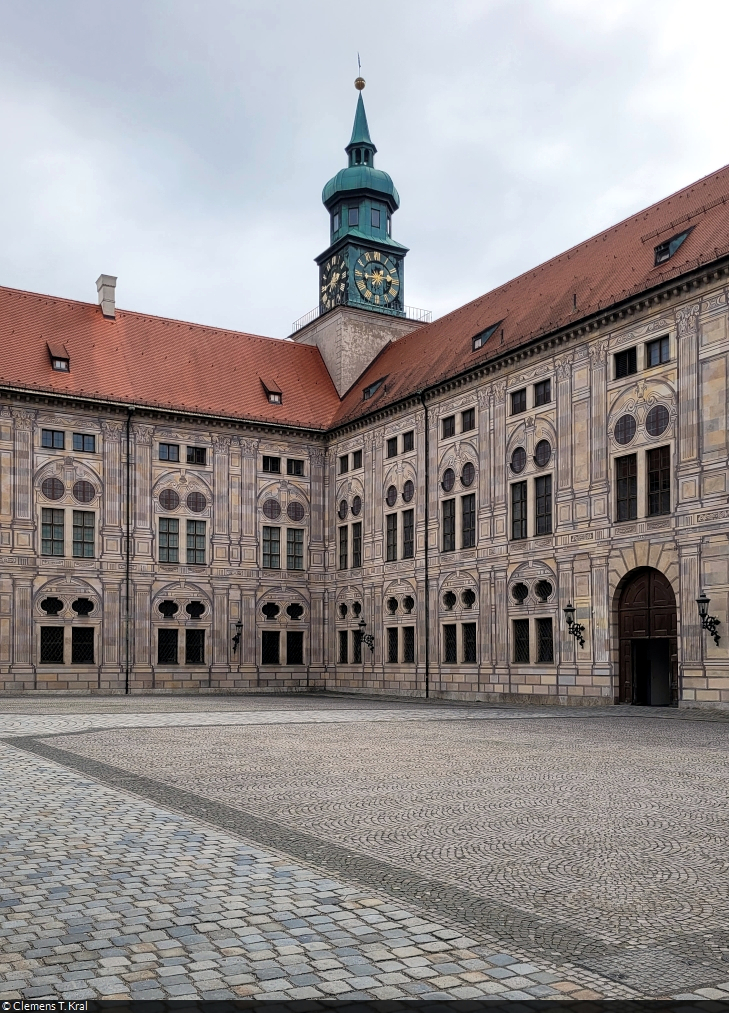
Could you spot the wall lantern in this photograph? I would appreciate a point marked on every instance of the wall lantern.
(236, 638)
(367, 638)
(708, 622)
(574, 629)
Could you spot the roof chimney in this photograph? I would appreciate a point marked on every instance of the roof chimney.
(105, 285)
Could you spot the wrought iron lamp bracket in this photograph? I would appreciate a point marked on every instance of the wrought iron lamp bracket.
(236, 638)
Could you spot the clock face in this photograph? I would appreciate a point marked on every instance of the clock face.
(377, 278)
(333, 289)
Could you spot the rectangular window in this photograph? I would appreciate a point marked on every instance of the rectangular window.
(449, 525)
(294, 549)
(469, 643)
(294, 647)
(626, 481)
(408, 441)
(54, 439)
(83, 534)
(519, 510)
(294, 467)
(196, 455)
(450, 649)
(357, 544)
(408, 534)
(194, 647)
(468, 420)
(169, 452)
(543, 489)
(82, 645)
(271, 548)
(408, 645)
(521, 641)
(343, 647)
(343, 547)
(196, 542)
(542, 393)
(659, 481)
(270, 647)
(468, 521)
(392, 645)
(391, 537)
(448, 427)
(357, 647)
(375, 218)
(625, 363)
(169, 540)
(272, 465)
(52, 532)
(335, 222)
(344, 464)
(392, 447)
(84, 444)
(356, 459)
(51, 645)
(545, 644)
(353, 216)
(518, 401)
(657, 352)
(166, 647)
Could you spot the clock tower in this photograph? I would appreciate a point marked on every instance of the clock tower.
(361, 272)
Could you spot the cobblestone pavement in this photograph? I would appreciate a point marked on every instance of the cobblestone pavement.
(306, 848)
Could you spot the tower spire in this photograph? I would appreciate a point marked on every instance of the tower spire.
(360, 128)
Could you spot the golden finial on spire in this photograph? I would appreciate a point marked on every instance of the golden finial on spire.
(359, 83)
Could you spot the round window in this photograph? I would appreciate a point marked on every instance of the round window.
(468, 474)
(519, 593)
(84, 492)
(468, 598)
(392, 606)
(391, 498)
(196, 502)
(518, 460)
(543, 589)
(449, 479)
(295, 511)
(408, 491)
(53, 488)
(343, 509)
(408, 603)
(357, 607)
(657, 420)
(343, 611)
(357, 506)
(168, 499)
(449, 599)
(542, 452)
(625, 429)
(271, 508)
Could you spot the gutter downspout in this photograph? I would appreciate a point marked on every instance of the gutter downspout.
(127, 551)
(427, 547)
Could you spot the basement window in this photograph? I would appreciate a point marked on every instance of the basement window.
(480, 339)
(370, 391)
(664, 251)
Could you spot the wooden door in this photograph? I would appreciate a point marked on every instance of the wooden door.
(647, 610)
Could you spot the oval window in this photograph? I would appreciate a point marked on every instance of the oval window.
(271, 508)
(168, 499)
(343, 509)
(449, 479)
(295, 511)
(624, 429)
(53, 488)
(357, 506)
(408, 491)
(391, 498)
(468, 474)
(84, 492)
(657, 420)
(518, 460)
(196, 502)
(542, 453)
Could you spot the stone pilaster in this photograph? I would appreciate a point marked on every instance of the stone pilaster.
(221, 500)
(23, 519)
(565, 434)
(599, 483)
(112, 534)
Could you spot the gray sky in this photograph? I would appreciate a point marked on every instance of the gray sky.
(183, 144)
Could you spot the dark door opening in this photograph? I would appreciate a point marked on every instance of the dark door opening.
(651, 672)
(648, 646)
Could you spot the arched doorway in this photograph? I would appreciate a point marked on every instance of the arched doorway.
(648, 648)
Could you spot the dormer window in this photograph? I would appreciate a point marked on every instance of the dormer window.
(61, 365)
(664, 251)
(60, 359)
(480, 339)
(273, 391)
(274, 398)
(368, 392)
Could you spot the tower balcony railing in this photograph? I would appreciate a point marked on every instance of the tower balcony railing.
(411, 313)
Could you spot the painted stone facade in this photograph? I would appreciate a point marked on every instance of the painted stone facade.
(457, 624)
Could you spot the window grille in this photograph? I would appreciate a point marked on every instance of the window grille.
(626, 481)
(271, 548)
(167, 647)
(196, 502)
(169, 540)
(196, 455)
(656, 421)
(294, 647)
(391, 521)
(468, 420)
(53, 488)
(543, 489)
(343, 647)
(295, 511)
(168, 499)
(520, 593)
(469, 643)
(270, 647)
(519, 510)
(408, 441)
(450, 655)
(194, 647)
(84, 492)
(521, 641)
(343, 547)
(542, 393)
(624, 429)
(357, 544)
(468, 598)
(51, 532)
(53, 439)
(271, 509)
(408, 645)
(294, 549)
(392, 645)
(82, 645)
(625, 363)
(448, 427)
(84, 443)
(659, 481)
(543, 589)
(357, 647)
(449, 525)
(545, 643)
(196, 541)
(51, 645)
(468, 521)
(518, 401)
(449, 600)
(169, 452)
(408, 534)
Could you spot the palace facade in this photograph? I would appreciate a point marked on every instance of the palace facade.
(382, 504)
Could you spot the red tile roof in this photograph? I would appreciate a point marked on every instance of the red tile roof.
(163, 363)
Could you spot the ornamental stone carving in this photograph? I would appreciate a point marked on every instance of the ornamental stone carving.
(687, 318)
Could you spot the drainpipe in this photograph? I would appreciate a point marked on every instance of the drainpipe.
(427, 548)
(127, 550)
